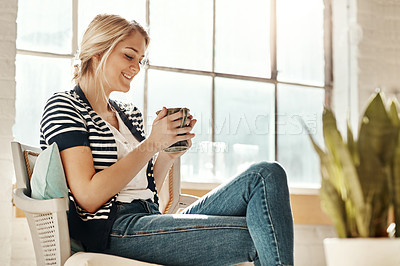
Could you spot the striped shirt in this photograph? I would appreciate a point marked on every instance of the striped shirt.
(69, 120)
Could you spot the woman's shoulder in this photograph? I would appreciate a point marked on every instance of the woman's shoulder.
(65, 98)
(61, 96)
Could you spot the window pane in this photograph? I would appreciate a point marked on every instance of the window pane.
(300, 44)
(295, 150)
(129, 9)
(181, 33)
(171, 89)
(48, 28)
(37, 79)
(135, 94)
(242, 37)
(244, 122)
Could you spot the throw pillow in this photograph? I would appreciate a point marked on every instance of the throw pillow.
(48, 178)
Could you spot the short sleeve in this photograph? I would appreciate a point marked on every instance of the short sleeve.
(63, 123)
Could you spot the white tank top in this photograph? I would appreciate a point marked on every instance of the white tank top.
(126, 142)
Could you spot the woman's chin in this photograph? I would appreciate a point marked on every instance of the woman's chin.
(123, 88)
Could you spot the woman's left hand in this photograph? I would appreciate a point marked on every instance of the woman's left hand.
(175, 155)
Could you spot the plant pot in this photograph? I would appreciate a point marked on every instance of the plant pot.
(362, 251)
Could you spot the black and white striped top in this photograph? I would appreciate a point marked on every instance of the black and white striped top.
(69, 120)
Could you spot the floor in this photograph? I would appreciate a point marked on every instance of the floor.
(22, 253)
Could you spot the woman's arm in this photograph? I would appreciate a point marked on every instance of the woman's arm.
(91, 190)
(161, 168)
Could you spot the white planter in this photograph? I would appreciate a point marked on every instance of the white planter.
(362, 251)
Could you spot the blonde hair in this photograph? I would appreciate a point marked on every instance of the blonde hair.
(102, 35)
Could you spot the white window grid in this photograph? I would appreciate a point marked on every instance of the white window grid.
(328, 70)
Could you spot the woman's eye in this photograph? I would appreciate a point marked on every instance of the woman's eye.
(129, 57)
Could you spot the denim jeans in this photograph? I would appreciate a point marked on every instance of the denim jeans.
(247, 219)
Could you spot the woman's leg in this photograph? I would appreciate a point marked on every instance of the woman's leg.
(181, 239)
(261, 195)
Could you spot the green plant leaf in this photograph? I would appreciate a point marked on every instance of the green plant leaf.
(333, 205)
(361, 179)
(331, 200)
(352, 145)
(393, 113)
(395, 177)
(377, 132)
(376, 143)
(342, 175)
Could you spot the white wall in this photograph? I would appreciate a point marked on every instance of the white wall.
(345, 93)
(308, 244)
(8, 14)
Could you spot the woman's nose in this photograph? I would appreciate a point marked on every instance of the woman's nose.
(135, 67)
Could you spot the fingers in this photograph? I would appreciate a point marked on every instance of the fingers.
(178, 123)
(167, 129)
(192, 122)
(188, 127)
(177, 115)
(184, 133)
(161, 114)
(174, 124)
(187, 136)
(183, 130)
(189, 143)
(189, 119)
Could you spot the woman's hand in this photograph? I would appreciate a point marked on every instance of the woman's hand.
(166, 159)
(166, 131)
(174, 155)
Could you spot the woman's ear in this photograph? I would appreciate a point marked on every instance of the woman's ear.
(97, 58)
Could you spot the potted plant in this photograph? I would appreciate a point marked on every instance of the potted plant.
(360, 187)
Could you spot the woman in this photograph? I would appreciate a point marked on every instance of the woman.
(113, 171)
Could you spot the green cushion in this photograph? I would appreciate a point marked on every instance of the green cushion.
(48, 178)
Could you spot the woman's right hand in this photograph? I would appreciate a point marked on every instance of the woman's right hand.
(165, 130)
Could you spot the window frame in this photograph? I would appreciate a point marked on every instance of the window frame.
(328, 71)
(74, 40)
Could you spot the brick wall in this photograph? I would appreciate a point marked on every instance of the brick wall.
(8, 15)
(366, 54)
(378, 55)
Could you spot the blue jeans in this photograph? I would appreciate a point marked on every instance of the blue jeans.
(247, 219)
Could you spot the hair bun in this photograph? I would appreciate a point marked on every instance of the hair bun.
(77, 69)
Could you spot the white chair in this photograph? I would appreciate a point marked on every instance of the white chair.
(47, 219)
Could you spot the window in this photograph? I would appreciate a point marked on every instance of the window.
(43, 63)
(248, 70)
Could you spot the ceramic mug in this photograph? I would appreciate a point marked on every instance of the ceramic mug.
(182, 145)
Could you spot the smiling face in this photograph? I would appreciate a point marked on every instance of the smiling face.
(124, 62)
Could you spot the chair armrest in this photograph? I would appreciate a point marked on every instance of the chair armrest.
(27, 204)
(186, 199)
(98, 259)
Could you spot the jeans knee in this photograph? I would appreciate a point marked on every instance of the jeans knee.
(271, 169)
